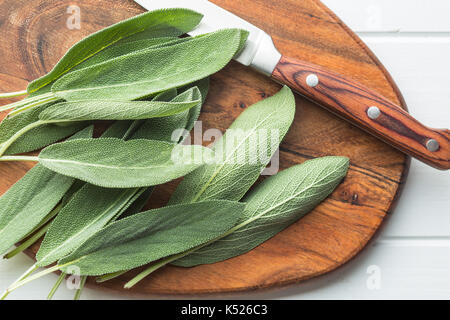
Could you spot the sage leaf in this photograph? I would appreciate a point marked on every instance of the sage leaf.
(114, 163)
(30, 200)
(135, 126)
(148, 72)
(37, 193)
(115, 110)
(89, 210)
(159, 23)
(36, 138)
(194, 113)
(272, 206)
(154, 234)
(43, 136)
(171, 128)
(118, 129)
(167, 96)
(242, 153)
(121, 49)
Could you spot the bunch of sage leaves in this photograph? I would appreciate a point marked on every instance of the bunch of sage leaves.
(55, 109)
(94, 221)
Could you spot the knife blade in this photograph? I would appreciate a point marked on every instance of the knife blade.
(259, 51)
(341, 95)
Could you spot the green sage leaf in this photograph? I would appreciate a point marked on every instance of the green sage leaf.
(118, 129)
(148, 72)
(167, 96)
(30, 200)
(194, 113)
(89, 210)
(159, 23)
(152, 235)
(242, 153)
(272, 206)
(114, 163)
(121, 49)
(116, 50)
(116, 110)
(171, 128)
(36, 138)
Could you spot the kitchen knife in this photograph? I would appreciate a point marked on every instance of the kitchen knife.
(345, 97)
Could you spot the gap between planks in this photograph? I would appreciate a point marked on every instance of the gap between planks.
(401, 241)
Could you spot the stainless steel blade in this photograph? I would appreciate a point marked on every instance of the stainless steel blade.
(259, 51)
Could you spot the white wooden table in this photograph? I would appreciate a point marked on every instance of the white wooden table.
(411, 256)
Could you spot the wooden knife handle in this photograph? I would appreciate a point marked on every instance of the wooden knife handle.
(366, 109)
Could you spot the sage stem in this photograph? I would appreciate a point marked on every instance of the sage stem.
(56, 286)
(19, 158)
(34, 101)
(141, 276)
(22, 277)
(23, 282)
(110, 276)
(80, 290)
(13, 94)
(32, 105)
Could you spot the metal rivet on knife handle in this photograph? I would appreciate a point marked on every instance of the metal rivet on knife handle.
(432, 145)
(373, 112)
(312, 80)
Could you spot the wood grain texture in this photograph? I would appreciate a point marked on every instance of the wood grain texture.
(35, 37)
(352, 101)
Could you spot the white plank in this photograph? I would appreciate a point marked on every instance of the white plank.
(423, 209)
(393, 16)
(421, 271)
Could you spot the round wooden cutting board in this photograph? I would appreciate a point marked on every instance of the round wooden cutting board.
(36, 35)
